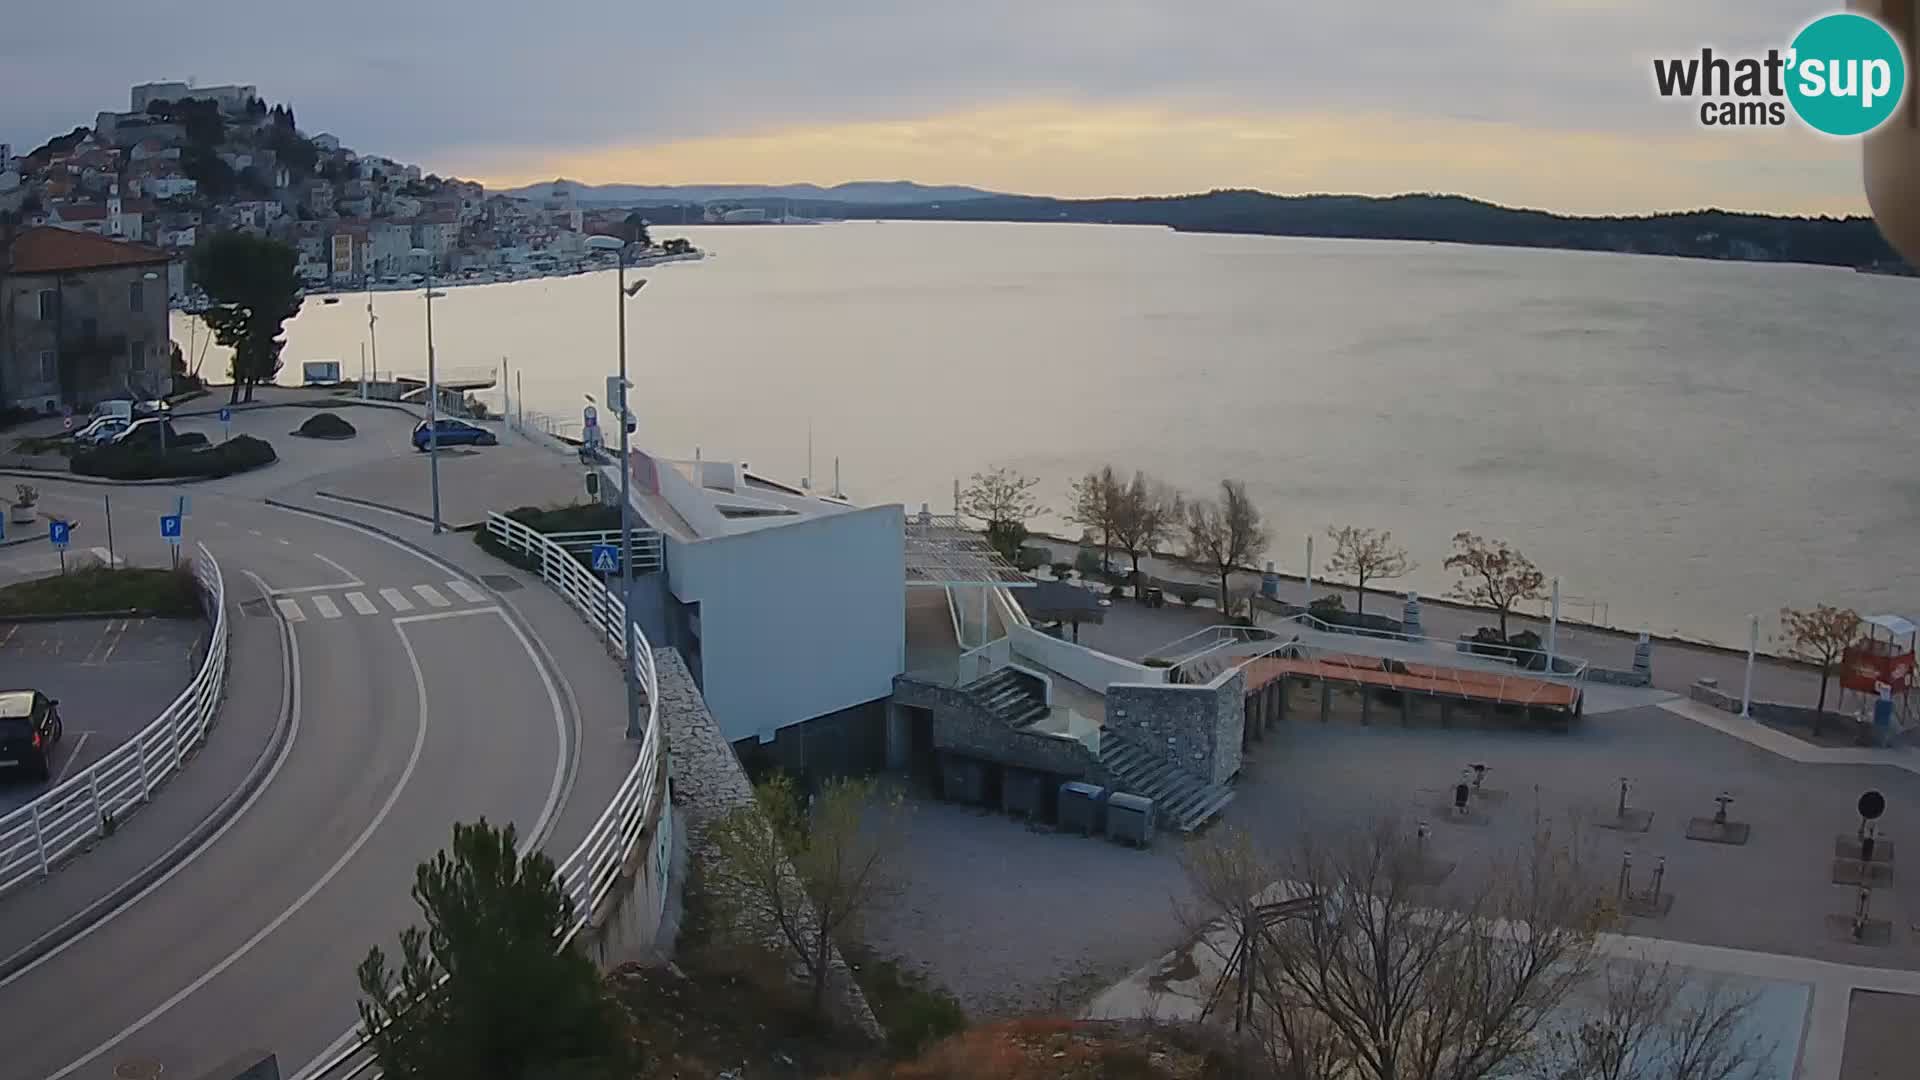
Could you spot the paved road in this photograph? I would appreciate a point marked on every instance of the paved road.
(416, 705)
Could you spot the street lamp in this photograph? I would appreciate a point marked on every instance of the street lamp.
(615, 244)
(433, 395)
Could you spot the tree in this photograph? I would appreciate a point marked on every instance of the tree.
(484, 991)
(253, 290)
(635, 228)
(1226, 534)
(216, 179)
(1003, 501)
(1144, 515)
(807, 875)
(1091, 503)
(1820, 636)
(1367, 555)
(1492, 574)
(1384, 977)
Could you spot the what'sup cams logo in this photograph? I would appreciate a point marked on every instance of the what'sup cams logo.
(1843, 75)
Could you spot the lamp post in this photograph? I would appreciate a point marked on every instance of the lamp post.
(433, 397)
(615, 244)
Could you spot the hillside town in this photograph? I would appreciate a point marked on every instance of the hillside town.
(183, 161)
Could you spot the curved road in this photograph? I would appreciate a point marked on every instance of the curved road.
(413, 703)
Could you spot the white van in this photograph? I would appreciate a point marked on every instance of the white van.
(119, 409)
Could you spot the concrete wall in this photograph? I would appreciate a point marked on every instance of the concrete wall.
(1093, 670)
(851, 742)
(1710, 694)
(630, 926)
(1195, 727)
(959, 726)
(799, 620)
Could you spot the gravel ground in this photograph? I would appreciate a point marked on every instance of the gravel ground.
(1015, 921)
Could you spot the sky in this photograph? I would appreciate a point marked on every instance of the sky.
(1542, 103)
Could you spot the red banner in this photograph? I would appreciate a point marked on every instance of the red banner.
(1869, 665)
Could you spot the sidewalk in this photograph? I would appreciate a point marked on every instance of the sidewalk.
(194, 803)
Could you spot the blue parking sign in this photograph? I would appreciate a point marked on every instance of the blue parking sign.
(606, 558)
(170, 528)
(226, 414)
(57, 532)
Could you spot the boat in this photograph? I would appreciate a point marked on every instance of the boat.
(329, 299)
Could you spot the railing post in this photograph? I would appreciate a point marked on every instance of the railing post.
(146, 779)
(39, 837)
(99, 811)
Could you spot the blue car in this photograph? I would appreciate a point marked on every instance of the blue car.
(452, 432)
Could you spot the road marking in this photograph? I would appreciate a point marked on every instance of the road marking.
(328, 609)
(352, 578)
(108, 557)
(284, 540)
(11, 630)
(118, 637)
(436, 616)
(222, 524)
(361, 604)
(71, 758)
(289, 715)
(432, 596)
(247, 946)
(315, 588)
(291, 610)
(466, 592)
(396, 599)
(256, 532)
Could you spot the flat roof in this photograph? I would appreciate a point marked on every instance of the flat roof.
(15, 704)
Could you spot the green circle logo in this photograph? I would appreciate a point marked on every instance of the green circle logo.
(1847, 74)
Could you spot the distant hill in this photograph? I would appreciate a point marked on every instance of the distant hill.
(873, 192)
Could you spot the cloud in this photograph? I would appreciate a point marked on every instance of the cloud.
(572, 80)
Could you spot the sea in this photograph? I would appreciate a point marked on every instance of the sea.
(1682, 444)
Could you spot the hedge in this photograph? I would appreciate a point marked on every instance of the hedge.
(238, 454)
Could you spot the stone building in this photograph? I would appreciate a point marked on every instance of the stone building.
(82, 318)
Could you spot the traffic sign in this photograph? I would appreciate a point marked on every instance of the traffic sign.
(67, 422)
(57, 532)
(226, 415)
(170, 528)
(606, 558)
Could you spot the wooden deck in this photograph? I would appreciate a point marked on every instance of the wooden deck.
(1465, 684)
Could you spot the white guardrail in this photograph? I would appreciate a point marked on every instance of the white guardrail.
(93, 802)
(589, 874)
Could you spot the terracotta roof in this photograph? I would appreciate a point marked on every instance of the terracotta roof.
(49, 250)
(81, 212)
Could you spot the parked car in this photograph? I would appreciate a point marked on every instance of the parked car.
(147, 432)
(29, 726)
(102, 430)
(451, 432)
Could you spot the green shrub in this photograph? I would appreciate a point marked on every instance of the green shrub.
(116, 462)
(1117, 592)
(1062, 569)
(1087, 562)
(1031, 559)
(915, 1014)
(1328, 605)
(325, 425)
(1189, 594)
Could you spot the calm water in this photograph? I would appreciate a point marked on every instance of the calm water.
(1685, 441)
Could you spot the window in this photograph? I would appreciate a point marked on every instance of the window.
(139, 360)
(49, 305)
(137, 296)
(49, 367)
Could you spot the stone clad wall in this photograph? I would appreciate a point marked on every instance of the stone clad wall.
(960, 726)
(1197, 728)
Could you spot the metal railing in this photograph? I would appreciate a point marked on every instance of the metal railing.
(93, 802)
(589, 874)
(647, 556)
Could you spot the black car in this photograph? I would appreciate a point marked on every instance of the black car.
(29, 726)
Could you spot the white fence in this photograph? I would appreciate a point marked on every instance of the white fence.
(646, 545)
(588, 875)
(90, 804)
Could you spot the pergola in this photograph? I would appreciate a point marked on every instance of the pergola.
(942, 552)
(1059, 602)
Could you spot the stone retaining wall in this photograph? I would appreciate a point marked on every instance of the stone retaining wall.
(1707, 691)
(708, 784)
(1625, 678)
(1197, 728)
(959, 725)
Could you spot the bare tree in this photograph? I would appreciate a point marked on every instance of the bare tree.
(1003, 502)
(1367, 555)
(1145, 513)
(1493, 574)
(1652, 1022)
(1091, 504)
(807, 875)
(1820, 636)
(1225, 535)
(1390, 979)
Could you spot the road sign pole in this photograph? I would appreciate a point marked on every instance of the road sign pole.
(111, 561)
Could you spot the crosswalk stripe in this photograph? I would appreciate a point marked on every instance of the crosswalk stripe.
(432, 596)
(328, 609)
(396, 599)
(290, 608)
(361, 604)
(466, 592)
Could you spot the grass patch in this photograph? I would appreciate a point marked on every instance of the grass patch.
(915, 1013)
(168, 593)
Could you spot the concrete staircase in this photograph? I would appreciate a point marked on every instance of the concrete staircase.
(1012, 697)
(1180, 799)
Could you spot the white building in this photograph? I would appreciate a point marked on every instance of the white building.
(326, 142)
(168, 187)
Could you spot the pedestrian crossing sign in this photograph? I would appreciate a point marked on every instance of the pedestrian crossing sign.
(606, 558)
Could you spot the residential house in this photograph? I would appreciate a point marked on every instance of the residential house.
(167, 182)
(347, 253)
(438, 234)
(326, 143)
(151, 149)
(405, 206)
(238, 160)
(320, 196)
(256, 213)
(359, 207)
(82, 317)
(176, 237)
(389, 248)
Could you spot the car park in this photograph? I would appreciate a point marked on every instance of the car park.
(452, 432)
